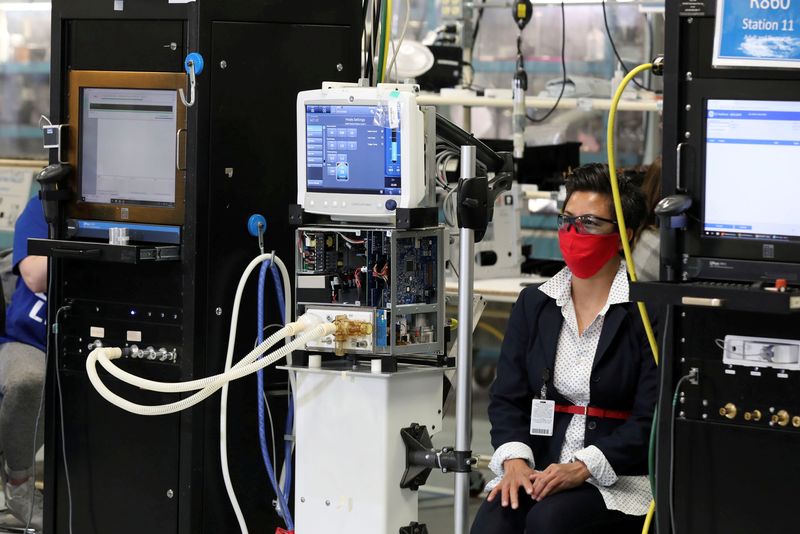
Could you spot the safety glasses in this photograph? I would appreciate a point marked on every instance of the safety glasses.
(586, 224)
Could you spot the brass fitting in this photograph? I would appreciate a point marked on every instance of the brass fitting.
(755, 415)
(796, 421)
(729, 411)
(781, 418)
(346, 329)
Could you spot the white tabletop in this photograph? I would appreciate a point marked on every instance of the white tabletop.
(499, 289)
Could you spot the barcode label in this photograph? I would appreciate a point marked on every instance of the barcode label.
(542, 415)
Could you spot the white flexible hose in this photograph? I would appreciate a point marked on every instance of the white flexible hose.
(173, 407)
(223, 403)
(193, 385)
(291, 329)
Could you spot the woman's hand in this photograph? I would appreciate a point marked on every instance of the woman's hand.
(558, 477)
(518, 474)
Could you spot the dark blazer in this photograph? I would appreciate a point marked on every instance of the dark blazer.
(624, 377)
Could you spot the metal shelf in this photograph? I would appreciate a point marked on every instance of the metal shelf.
(740, 297)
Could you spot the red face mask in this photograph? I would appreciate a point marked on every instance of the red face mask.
(585, 254)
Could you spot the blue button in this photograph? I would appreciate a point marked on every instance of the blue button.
(391, 205)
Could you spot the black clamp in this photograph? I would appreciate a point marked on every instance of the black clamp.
(473, 205)
(414, 528)
(422, 458)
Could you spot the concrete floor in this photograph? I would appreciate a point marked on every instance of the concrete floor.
(436, 497)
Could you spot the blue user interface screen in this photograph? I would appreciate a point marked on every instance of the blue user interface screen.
(351, 149)
(758, 33)
(752, 157)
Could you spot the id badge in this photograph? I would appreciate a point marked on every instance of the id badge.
(543, 413)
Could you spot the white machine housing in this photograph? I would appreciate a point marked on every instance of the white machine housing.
(417, 146)
(350, 455)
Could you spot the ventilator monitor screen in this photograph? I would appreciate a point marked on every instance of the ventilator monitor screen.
(352, 149)
(127, 146)
(752, 160)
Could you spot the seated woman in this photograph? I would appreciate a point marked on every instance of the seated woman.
(576, 358)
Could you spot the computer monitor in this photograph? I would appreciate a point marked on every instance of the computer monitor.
(127, 147)
(361, 152)
(752, 153)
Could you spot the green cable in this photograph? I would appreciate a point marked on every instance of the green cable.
(651, 455)
(382, 40)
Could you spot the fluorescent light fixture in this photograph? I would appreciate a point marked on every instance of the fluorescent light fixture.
(26, 6)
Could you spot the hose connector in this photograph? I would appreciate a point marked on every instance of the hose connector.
(658, 65)
(305, 322)
(112, 353)
(346, 329)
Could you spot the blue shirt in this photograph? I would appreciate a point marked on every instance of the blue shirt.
(26, 316)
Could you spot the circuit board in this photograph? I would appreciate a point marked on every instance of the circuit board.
(416, 270)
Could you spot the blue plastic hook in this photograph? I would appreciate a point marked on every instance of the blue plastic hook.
(196, 60)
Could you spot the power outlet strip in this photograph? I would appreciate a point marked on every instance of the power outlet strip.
(762, 352)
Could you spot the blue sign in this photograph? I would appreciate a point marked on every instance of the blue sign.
(757, 33)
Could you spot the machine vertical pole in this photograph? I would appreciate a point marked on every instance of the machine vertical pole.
(466, 261)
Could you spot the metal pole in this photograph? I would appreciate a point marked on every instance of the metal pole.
(466, 261)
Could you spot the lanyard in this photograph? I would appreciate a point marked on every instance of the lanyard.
(545, 379)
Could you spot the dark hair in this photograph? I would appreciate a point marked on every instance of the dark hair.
(594, 178)
(651, 187)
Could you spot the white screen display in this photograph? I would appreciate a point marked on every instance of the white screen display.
(127, 146)
(752, 162)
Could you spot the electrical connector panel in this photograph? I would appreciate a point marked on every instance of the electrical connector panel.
(397, 277)
(762, 352)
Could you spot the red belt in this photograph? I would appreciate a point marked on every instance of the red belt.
(592, 412)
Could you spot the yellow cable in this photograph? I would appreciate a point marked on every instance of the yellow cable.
(387, 38)
(649, 518)
(491, 330)
(623, 230)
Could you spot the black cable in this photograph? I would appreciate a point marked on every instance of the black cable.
(38, 414)
(477, 27)
(454, 269)
(563, 67)
(61, 414)
(614, 48)
(475, 31)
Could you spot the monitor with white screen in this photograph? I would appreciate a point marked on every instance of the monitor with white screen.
(752, 158)
(361, 152)
(127, 146)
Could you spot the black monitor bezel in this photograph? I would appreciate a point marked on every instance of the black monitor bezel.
(692, 162)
